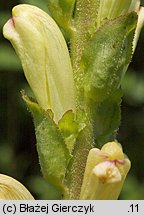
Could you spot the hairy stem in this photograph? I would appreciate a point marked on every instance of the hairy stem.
(84, 21)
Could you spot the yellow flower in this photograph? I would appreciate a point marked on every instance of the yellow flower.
(105, 172)
(139, 26)
(11, 189)
(111, 9)
(45, 58)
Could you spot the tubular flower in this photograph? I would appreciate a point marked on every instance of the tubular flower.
(44, 55)
(111, 9)
(11, 189)
(139, 26)
(105, 172)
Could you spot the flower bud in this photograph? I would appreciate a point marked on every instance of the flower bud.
(11, 189)
(105, 172)
(44, 55)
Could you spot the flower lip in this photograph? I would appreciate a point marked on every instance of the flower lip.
(120, 162)
(12, 21)
(107, 172)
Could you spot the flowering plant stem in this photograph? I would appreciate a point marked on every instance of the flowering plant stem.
(83, 20)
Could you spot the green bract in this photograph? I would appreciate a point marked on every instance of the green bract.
(52, 150)
(107, 56)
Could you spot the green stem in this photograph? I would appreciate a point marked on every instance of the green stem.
(84, 22)
(76, 168)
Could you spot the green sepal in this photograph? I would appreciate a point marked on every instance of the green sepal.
(107, 56)
(62, 11)
(53, 153)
